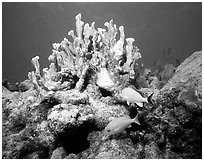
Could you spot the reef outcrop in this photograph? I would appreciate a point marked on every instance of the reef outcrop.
(188, 73)
(61, 112)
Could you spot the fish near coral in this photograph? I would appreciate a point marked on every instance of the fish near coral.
(131, 95)
(117, 125)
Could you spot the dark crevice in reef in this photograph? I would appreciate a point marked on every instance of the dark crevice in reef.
(49, 102)
(18, 126)
(90, 46)
(69, 78)
(105, 92)
(43, 108)
(74, 140)
(88, 78)
(162, 145)
(31, 149)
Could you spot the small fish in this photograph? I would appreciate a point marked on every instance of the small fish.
(131, 95)
(119, 124)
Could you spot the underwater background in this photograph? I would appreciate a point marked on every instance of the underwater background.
(164, 32)
(130, 91)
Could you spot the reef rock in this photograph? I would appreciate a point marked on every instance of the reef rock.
(154, 82)
(9, 86)
(167, 72)
(188, 73)
(26, 85)
(111, 149)
(72, 96)
(179, 111)
(58, 153)
(177, 120)
(67, 115)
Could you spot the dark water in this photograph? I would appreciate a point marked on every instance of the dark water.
(163, 31)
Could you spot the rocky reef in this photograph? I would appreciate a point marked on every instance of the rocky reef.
(60, 112)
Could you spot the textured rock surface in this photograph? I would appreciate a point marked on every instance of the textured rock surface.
(69, 124)
(26, 85)
(188, 73)
(59, 153)
(167, 72)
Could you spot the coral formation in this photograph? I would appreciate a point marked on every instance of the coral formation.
(91, 48)
(61, 111)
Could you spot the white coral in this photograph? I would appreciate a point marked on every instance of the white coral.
(36, 65)
(104, 79)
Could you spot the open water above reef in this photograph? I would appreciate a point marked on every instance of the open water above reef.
(163, 31)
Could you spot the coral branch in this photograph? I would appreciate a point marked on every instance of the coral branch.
(80, 83)
(36, 64)
(79, 25)
(129, 48)
(118, 47)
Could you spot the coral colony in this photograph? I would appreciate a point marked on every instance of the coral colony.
(90, 49)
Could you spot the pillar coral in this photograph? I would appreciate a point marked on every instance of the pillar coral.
(118, 47)
(36, 64)
(129, 48)
(90, 49)
(79, 25)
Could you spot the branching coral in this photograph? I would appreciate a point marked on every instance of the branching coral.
(36, 64)
(91, 48)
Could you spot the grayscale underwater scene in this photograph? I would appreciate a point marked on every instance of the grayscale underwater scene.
(97, 100)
